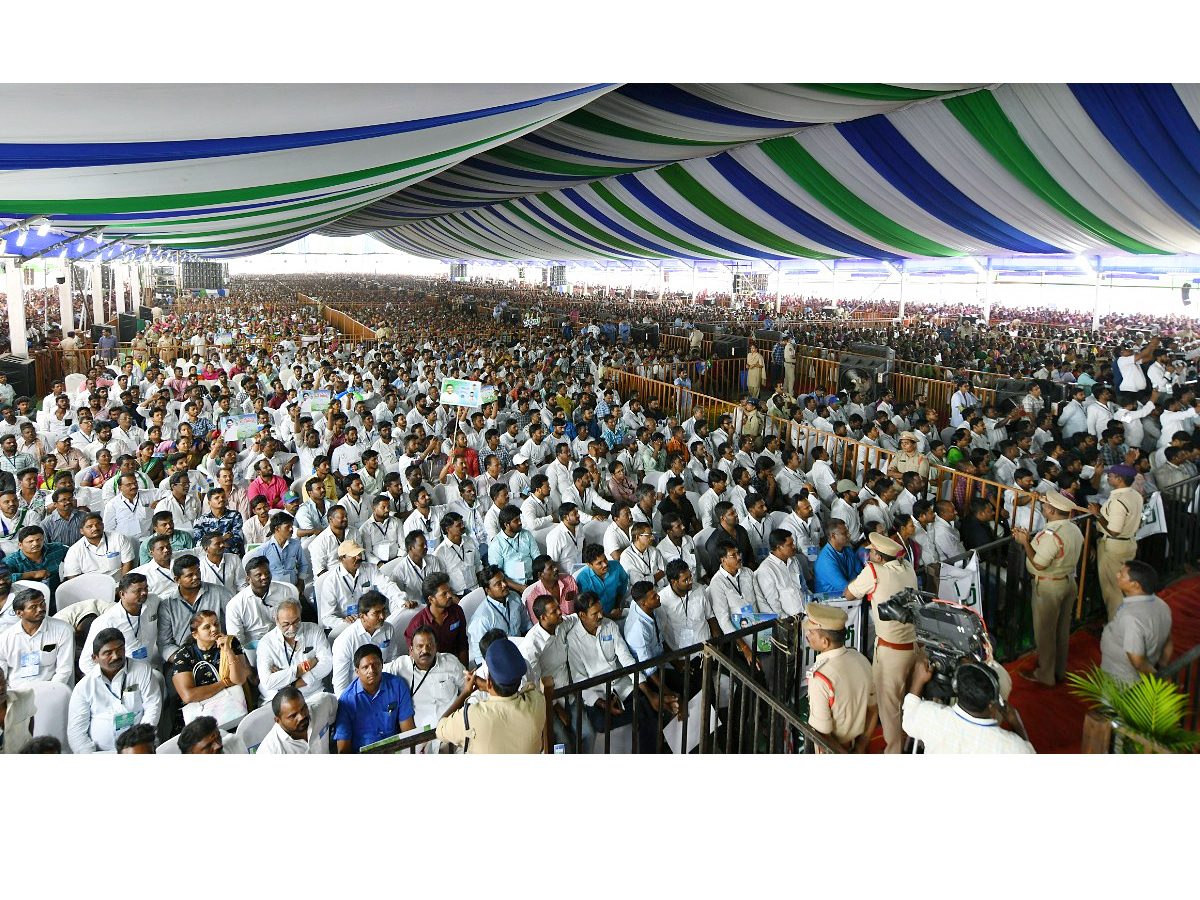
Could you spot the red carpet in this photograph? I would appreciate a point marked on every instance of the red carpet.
(1054, 717)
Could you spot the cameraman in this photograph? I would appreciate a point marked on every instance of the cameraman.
(972, 724)
(887, 574)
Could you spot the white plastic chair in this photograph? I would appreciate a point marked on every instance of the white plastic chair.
(234, 745)
(540, 536)
(52, 701)
(86, 587)
(439, 495)
(73, 383)
(43, 589)
(593, 531)
(471, 602)
(169, 747)
(256, 726)
(399, 622)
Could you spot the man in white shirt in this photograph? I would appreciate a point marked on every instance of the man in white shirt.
(717, 482)
(347, 457)
(135, 615)
(371, 627)
(821, 474)
(688, 617)
(157, 572)
(458, 555)
(1129, 363)
(338, 590)
(780, 583)
(37, 648)
(300, 727)
(596, 646)
(732, 590)
(535, 511)
(293, 653)
(945, 536)
(434, 679)
(116, 695)
(380, 535)
(971, 725)
(96, 551)
(251, 612)
(130, 511)
(411, 569)
(616, 536)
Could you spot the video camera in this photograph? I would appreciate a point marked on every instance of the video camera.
(946, 631)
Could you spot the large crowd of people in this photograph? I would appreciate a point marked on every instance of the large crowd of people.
(247, 519)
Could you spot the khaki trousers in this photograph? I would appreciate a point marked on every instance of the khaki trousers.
(1053, 602)
(891, 670)
(1110, 556)
(789, 377)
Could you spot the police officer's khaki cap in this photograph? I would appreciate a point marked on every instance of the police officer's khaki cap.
(1058, 501)
(827, 618)
(884, 544)
(908, 436)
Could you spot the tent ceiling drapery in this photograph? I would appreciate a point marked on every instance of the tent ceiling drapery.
(637, 171)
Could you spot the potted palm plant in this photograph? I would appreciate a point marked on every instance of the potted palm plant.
(1150, 710)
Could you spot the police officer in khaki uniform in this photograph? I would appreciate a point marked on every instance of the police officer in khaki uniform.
(908, 459)
(1120, 518)
(895, 650)
(1052, 558)
(510, 721)
(841, 688)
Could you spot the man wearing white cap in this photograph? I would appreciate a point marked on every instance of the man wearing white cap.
(841, 688)
(338, 589)
(885, 575)
(1052, 558)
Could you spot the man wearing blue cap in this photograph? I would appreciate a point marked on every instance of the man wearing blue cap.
(510, 720)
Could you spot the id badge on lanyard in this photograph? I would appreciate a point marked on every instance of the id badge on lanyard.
(31, 664)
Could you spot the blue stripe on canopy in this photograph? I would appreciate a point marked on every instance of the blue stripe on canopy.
(616, 227)
(562, 228)
(1152, 130)
(55, 156)
(682, 223)
(587, 154)
(882, 145)
(770, 201)
(677, 101)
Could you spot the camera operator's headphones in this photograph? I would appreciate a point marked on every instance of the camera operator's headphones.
(992, 678)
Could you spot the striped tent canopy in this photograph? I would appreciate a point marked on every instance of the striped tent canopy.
(608, 172)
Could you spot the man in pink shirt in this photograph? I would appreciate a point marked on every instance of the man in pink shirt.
(268, 484)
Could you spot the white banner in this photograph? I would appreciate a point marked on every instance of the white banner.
(961, 584)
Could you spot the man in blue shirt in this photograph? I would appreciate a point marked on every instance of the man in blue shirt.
(605, 577)
(287, 558)
(500, 609)
(377, 704)
(513, 550)
(837, 564)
